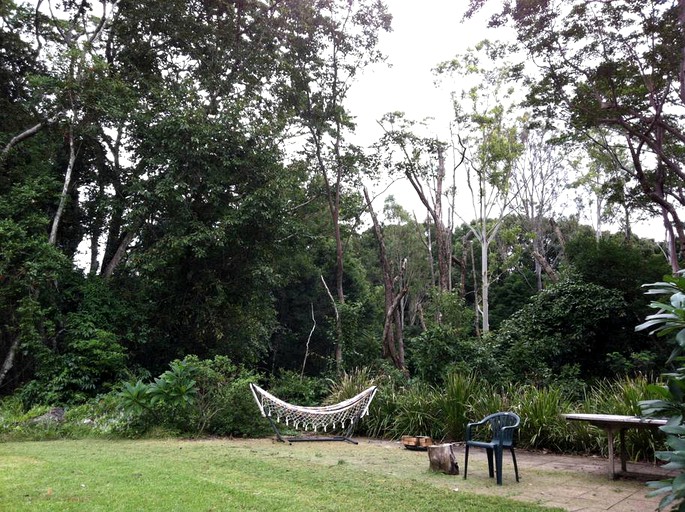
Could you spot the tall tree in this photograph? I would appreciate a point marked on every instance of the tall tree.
(618, 66)
(171, 117)
(422, 161)
(540, 178)
(487, 133)
(393, 328)
(343, 39)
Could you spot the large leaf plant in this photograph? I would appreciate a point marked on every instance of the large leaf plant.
(669, 320)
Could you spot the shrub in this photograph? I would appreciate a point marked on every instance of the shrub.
(300, 390)
(439, 351)
(669, 320)
(92, 361)
(623, 397)
(540, 410)
(195, 397)
(570, 324)
(99, 417)
(417, 412)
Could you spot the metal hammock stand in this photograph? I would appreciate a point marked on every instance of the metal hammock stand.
(344, 414)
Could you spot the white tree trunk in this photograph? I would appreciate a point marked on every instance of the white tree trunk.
(65, 189)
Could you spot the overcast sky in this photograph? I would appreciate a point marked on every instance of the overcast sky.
(424, 34)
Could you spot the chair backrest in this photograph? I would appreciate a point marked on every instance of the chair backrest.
(498, 421)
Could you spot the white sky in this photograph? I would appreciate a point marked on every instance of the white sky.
(424, 34)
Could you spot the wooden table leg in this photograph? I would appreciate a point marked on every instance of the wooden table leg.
(610, 439)
(624, 452)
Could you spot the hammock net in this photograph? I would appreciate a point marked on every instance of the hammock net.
(315, 419)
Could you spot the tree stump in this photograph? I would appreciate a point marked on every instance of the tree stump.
(443, 458)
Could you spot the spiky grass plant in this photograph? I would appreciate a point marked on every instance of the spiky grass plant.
(456, 401)
(418, 412)
(350, 384)
(540, 410)
(623, 397)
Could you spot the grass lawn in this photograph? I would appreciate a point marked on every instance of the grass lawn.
(216, 475)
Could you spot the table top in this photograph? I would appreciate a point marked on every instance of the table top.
(615, 419)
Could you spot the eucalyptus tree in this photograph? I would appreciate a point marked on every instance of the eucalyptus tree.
(422, 161)
(597, 170)
(408, 244)
(395, 289)
(487, 133)
(618, 66)
(540, 179)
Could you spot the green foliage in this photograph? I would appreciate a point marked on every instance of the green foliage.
(625, 265)
(456, 402)
(383, 408)
(99, 417)
(509, 293)
(623, 397)
(447, 344)
(135, 397)
(91, 363)
(300, 390)
(195, 397)
(417, 412)
(570, 323)
(540, 410)
(435, 350)
(669, 320)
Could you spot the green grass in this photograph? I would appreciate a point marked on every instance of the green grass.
(218, 475)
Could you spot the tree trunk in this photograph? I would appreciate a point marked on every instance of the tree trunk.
(393, 341)
(108, 270)
(9, 359)
(442, 234)
(485, 283)
(475, 291)
(544, 264)
(559, 234)
(338, 326)
(29, 132)
(681, 20)
(65, 189)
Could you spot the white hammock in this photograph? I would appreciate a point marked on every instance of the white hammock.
(317, 419)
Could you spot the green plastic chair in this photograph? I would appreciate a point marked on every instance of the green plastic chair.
(503, 426)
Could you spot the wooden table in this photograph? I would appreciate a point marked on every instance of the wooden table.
(612, 423)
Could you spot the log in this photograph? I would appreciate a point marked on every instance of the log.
(443, 458)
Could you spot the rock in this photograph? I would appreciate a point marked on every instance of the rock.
(55, 414)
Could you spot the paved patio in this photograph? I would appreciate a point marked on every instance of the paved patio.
(576, 483)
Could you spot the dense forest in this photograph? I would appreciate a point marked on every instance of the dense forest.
(177, 178)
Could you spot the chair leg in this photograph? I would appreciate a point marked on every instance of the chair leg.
(516, 468)
(498, 464)
(490, 472)
(466, 460)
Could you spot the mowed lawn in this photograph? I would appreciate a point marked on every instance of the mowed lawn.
(218, 475)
